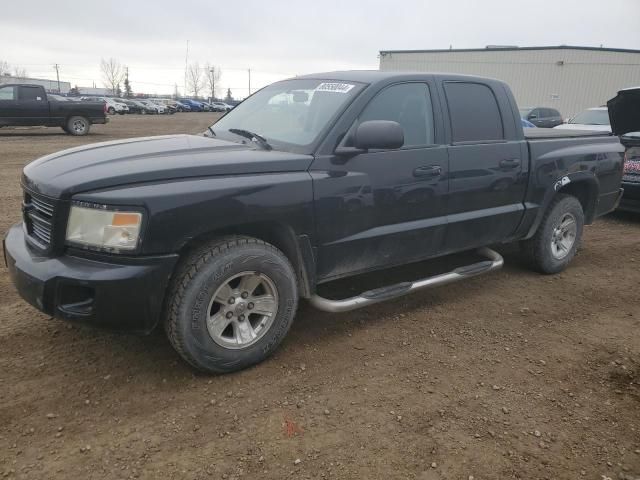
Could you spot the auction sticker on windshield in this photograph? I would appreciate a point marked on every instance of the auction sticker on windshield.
(334, 87)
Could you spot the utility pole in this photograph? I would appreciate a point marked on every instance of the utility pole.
(213, 83)
(186, 62)
(56, 66)
(126, 76)
(249, 70)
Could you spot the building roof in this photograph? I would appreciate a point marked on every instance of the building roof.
(511, 49)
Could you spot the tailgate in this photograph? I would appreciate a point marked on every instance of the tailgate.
(624, 111)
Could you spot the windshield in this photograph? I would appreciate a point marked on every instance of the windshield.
(592, 117)
(291, 114)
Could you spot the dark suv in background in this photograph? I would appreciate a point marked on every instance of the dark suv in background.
(542, 117)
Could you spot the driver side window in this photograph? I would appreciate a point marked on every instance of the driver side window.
(409, 104)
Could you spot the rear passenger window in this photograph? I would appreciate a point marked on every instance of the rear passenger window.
(474, 112)
(409, 104)
(30, 93)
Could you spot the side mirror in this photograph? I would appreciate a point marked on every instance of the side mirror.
(374, 135)
(379, 135)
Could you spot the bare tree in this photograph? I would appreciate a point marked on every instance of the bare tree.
(112, 73)
(5, 68)
(20, 72)
(194, 78)
(212, 77)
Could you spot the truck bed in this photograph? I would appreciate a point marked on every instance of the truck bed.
(540, 133)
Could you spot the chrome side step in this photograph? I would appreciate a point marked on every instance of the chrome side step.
(494, 262)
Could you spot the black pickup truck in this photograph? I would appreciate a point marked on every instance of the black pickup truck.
(28, 105)
(309, 180)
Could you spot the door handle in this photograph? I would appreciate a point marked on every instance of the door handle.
(511, 163)
(428, 171)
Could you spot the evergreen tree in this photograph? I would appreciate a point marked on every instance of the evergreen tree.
(228, 98)
(127, 88)
(118, 91)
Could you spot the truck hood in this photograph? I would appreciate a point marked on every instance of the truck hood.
(151, 159)
(624, 111)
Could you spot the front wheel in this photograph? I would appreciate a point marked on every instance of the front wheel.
(558, 236)
(78, 126)
(111, 110)
(230, 304)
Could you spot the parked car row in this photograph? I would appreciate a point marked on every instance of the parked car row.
(596, 119)
(144, 106)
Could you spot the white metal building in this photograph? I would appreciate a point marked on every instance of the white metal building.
(567, 78)
(49, 85)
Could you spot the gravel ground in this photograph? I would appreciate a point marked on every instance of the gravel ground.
(509, 376)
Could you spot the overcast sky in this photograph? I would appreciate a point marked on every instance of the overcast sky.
(282, 38)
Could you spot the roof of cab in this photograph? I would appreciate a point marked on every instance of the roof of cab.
(20, 85)
(374, 76)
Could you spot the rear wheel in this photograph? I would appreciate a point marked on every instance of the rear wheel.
(230, 304)
(558, 237)
(78, 126)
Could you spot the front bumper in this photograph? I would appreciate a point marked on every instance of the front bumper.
(630, 201)
(123, 296)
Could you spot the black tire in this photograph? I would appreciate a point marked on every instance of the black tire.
(143, 112)
(190, 296)
(78, 126)
(111, 110)
(539, 250)
(64, 128)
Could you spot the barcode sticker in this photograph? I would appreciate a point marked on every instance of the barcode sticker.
(334, 87)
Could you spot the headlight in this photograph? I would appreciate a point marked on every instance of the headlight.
(104, 229)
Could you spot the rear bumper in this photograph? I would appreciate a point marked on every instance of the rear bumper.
(630, 201)
(123, 296)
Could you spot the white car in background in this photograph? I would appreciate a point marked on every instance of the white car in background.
(589, 119)
(112, 105)
(159, 107)
(221, 107)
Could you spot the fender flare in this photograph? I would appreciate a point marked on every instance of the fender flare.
(565, 182)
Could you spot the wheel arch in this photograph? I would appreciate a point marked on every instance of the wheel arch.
(586, 191)
(297, 248)
(582, 185)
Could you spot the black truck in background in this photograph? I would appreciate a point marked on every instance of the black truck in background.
(309, 180)
(28, 105)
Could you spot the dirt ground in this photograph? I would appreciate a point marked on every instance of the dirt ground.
(511, 375)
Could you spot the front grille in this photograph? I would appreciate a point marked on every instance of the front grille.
(39, 216)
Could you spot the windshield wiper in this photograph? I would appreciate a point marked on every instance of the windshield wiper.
(254, 137)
